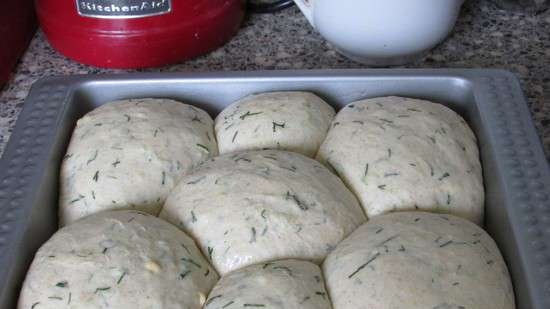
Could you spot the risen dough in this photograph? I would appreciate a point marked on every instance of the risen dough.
(418, 260)
(248, 208)
(285, 284)
(118, 259)
(406, 154)
(129, 155)
(294, 121)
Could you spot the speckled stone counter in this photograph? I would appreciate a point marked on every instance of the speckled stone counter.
(485, 36)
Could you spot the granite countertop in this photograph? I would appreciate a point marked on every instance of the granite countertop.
(485, 36)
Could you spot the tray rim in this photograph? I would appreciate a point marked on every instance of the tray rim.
(524, 161)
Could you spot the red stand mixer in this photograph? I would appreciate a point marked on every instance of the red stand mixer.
(138, 33)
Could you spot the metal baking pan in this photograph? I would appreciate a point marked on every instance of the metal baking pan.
(516, 173)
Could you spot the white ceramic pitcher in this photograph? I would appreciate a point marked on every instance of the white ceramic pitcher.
(382, 32)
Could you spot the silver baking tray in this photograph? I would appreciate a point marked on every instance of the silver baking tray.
(516, 173)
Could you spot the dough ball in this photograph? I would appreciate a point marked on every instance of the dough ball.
(406, 154)
(293, 121)
(285, 284)
(418, 260)
(249, 208)
(118, 259)
(129, 155)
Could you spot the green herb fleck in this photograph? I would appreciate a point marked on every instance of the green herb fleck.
(267, 264)
(184, 274)
(391, 174)
(93, 157)
(228, 304)
(67, 156)
(389, 152)
(387, 240)
(193, 217)
(62, 284)
(35, 304)
(382, 187)
(490, 262)
(448, 199)
(253, 236)
(413, 110)
(249, 114)
(364, 265)
(96, 176)
(56, 297)
(401, 248)
(196, 181)
(317, 278)
(127, 117)
(253, 305)
(186, 249)
(80, 196)
(117, 162)
(102, 289)
(210, 252)
(303, 206)
(292, 168)
(191, 261)
(70, 298)
(385, 120)
(203, 148)
(322, 294)
(379, 230)
(359, 122)
(213, 298)
(263, 214)
(445, 244)
(278, 125)
(163, 181)
(366, 171)
(444, 176)
(120, 278)
(196, 119)
(207, 272)
(432, 139)
(235, 136)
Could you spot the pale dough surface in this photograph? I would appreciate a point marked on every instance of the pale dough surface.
(283, 284)
(129, 154)
(118, 259)
(293, 121)
(418, 260)
(406, 154)
(258, 206)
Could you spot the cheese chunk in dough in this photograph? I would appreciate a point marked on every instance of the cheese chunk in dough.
(284, 284)
(129, 155)
(406, 154)
(118, 259)
(293, 121)
(418, 260)
(253, 207)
